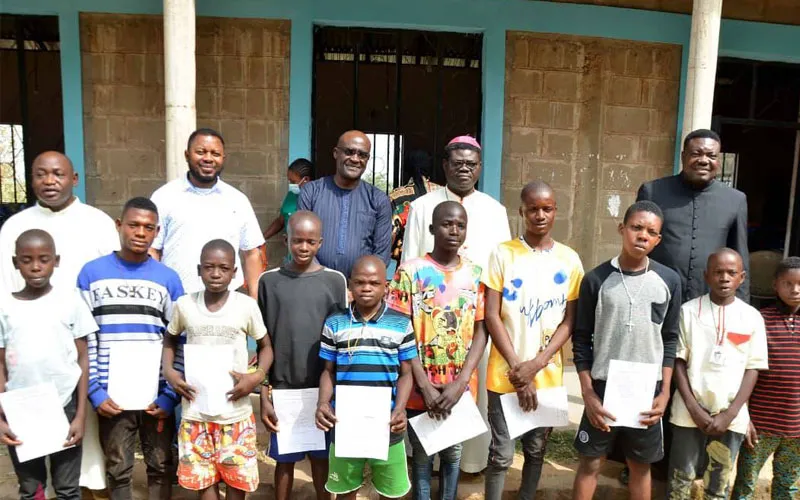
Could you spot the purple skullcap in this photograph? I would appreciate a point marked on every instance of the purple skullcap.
(465, 139)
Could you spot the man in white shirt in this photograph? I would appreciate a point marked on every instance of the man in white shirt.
(201, 207)
(487, 228)
(488, 219)
(81, 233)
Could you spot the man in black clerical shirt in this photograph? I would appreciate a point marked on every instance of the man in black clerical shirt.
(701, 215)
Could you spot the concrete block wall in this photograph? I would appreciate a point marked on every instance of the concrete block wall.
(242, 91)
(594, 118)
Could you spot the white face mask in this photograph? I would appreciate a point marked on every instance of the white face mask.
(294, 188)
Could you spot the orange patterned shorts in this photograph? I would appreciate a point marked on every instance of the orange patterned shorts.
(210, 453)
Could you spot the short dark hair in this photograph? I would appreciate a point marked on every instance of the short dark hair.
(140, 203)
(701, 133)
(457, 146)
(302, 167)
(219, 244)
(34, 236)
(204, 132)
(643, 206)
(786, 265)
(536, 186)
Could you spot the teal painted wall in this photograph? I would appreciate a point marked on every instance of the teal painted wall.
(490, 17)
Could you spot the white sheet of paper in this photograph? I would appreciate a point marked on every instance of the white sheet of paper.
(629, 391)
(552, 411)
(37, 418)
(464, 423)
(133, 372)
(207, 369)
(296, 410)
(362, 421)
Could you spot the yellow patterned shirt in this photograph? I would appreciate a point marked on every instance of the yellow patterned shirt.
(536, 287)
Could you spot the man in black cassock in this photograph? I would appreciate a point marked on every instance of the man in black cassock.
(701, 215)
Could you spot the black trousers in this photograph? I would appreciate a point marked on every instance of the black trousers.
(118, 439)
(65, 468)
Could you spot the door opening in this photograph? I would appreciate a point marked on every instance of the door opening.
(31, 120)
(757, 114)
(409, 91)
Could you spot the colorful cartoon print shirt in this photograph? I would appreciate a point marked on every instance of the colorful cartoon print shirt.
(536, 286)
(444, 303)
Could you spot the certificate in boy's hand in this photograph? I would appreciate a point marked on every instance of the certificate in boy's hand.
(629, 392)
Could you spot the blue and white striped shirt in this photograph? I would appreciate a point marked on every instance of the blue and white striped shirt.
(368, 353)
(130, 302)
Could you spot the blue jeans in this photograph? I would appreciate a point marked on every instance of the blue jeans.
(422, 468)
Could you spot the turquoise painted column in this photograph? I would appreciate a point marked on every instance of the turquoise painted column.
(72, 94)
(300, 85)
(494, 84)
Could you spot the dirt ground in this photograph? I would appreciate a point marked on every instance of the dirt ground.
(555, 484)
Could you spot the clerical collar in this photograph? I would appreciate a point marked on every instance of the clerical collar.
(692, 187)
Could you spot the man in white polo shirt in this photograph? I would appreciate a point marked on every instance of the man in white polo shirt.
(81, 233)
(201, 207)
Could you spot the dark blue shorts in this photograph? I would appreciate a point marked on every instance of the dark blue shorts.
(291, 458)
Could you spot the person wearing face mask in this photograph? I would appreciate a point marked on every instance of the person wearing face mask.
(299, 173)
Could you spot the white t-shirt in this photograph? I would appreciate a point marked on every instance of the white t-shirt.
(39, 339)
(81, 233)
(238, 319)
(190, 217)
(740, 329)
(487, 225)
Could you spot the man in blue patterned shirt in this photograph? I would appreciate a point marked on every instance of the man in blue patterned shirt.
(356, 216)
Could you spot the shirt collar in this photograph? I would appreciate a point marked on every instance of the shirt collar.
(75, 202)
(188, 186)
(454, 197)
(783, 307)
(688, 186)
(356, 316)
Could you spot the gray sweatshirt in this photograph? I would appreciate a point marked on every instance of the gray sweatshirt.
(639, 324)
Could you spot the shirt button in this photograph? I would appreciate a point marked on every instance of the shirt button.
(694, 236)
(695, 216)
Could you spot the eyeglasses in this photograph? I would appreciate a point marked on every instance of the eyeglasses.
(348, 152)
(471, 165)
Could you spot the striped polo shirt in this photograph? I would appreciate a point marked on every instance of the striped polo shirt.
(368, 353)
(131, 302)
(775, 402)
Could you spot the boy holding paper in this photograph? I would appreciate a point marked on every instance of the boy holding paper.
(43, 341)
(216, 446)
(627, 314)
(722, 345)
(294, 300)
(443, 295)
(131, 296)
(369, 347)
(532, 288)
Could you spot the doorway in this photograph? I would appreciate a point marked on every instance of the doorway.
(409, 91)
(757, 114)
(31, 120)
